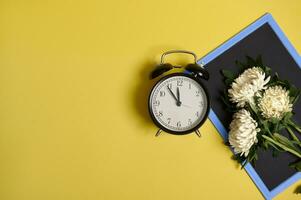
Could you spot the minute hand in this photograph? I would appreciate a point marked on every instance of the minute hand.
(178, 94)
(174, 96)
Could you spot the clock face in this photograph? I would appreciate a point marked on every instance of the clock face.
(178, 104)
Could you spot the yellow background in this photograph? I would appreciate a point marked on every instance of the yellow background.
(73, 117)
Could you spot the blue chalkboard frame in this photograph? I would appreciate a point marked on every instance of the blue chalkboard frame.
(267, 18)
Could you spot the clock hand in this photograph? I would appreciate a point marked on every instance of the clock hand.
(174, 96)
(185, 105)
(178, 94)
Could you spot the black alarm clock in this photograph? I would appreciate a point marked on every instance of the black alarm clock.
(179, 102)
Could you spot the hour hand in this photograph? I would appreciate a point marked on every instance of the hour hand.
(173, 95)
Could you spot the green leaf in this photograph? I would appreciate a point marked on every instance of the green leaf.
(275, 153)
(274, 120)
(265, 144)
(228, 82)
(228, 74)
(296, 165)
(259, 60)
(240, 65)
(265, 125)
(294, 100)
(287, 117)
(294, 93)
(267, 70)
(251, 62)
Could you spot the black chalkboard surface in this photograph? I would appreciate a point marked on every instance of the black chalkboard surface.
(263, 41)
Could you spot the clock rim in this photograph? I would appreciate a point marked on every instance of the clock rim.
(186, 131)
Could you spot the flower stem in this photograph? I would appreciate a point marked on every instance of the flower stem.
(298, 129)
(254, 109)
(295, 138)
(282, 146)
(295, 126)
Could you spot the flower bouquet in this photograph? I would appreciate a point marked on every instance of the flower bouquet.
(262, 107)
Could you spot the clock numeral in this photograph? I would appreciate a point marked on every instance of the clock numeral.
(197, 93)
(197, 114)
(157, 103)
(179, 82)
(160, 113)
(168, 120)
(169, 85)
(189, 122)
(179, 124)
(201, 104)
(189, 86)
(162, 93)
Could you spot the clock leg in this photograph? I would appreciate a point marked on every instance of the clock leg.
(197, 132)
(158, 132)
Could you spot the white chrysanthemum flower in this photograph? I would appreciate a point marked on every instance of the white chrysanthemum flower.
(275, 102)
(243, 132)
(247, 85)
